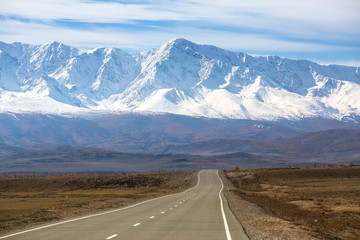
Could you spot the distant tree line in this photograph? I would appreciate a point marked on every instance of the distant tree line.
(329, 165)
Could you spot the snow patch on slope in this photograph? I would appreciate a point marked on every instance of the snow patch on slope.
(180, 77)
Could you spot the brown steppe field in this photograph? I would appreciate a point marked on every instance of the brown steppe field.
(30, 199)
(323, 201)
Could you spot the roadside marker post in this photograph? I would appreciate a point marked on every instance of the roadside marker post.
(239, 185)
(322, 217)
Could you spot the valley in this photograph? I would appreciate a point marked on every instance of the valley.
(179, 120)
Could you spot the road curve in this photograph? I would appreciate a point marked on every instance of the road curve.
(198, 213)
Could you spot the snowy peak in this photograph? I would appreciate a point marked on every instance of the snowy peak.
(180, 45)
(180, 77)
(49, 57)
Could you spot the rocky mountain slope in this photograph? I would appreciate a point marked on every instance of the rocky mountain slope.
(180, 77)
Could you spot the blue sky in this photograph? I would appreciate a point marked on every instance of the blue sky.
(327, 31)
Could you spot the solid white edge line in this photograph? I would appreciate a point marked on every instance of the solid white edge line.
(112, 236)
(228, 236)
(100, 214)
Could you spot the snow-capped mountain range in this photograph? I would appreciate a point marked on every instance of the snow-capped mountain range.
(180, 77)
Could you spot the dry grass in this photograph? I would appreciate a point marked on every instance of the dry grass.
(26, 200)
(302, 195)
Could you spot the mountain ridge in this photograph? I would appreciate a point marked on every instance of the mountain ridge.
(180, 77)
(332, 146)
(309, 144)
(152, 133)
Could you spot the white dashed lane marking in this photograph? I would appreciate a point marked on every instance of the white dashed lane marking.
(112, 236)
(136, 224)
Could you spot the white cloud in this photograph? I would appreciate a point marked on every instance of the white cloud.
(295, 17)
(351, 63)
(250, 26)
(304, 10)
(84, 11)
(37, 33)
(298, 18)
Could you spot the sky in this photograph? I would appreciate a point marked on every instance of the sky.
(326, 31)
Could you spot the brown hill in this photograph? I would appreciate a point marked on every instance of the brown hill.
(331, 145)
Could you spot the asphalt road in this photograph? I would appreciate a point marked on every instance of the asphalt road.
(198, 213)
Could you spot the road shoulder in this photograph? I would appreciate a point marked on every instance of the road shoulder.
(257, 223)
